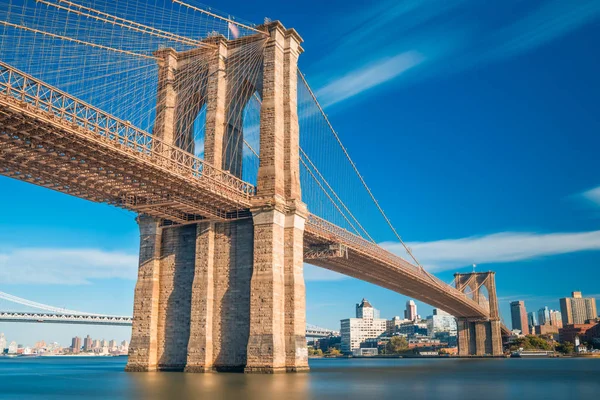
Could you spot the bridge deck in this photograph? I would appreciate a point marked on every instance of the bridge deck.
(52, 139)
(371, 263)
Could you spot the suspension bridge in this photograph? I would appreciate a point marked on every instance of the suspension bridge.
(204, 126)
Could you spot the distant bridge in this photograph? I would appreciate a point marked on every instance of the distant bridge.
(10, 316)
(55, 315)
(113, 320)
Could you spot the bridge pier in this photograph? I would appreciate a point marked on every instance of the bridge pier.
(477, 337)
(228, 296)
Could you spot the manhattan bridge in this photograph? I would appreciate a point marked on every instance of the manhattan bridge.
(204, 126)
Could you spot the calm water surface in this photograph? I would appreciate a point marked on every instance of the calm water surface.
(104, 378)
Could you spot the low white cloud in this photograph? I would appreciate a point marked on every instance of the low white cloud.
(592, 195)
(497, 248)
(368, 77)
(65, 266)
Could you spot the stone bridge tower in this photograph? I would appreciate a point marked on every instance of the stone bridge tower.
(227, 296)
(479, 337)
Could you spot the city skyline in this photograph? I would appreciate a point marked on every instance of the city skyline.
(64, 344)
(472, 206)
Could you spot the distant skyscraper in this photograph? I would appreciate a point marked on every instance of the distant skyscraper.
(13, 347)
(76, 344)
(556, 319)
(411, 310)
(365, 326)
(366, 310)
(532, 319)
(519, 316)
(2, 343)
(88, 343)
(544, 315)
(577, 309)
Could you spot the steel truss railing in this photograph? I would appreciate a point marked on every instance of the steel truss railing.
(324, 228)
(60, 106)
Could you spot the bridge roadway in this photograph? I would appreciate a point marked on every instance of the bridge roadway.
(110, 320)
(52, 139)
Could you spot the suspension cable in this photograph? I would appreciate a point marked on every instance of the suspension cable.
(327, 194)
(122, 22)
(229, 20)
(335, 194)
(408, 250)
(69, 39)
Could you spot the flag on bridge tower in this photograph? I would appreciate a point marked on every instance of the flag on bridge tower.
(235, 31)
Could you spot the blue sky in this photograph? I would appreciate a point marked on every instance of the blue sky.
(475, 125)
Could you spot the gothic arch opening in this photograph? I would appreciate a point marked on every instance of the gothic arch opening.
(484, 297)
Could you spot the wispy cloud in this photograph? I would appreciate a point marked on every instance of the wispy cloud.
(592, 195)
(497, 248)
(450, 36)
(368, 77)
(553, 19)
(64, 266)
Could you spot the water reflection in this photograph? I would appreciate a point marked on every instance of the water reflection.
(164, 385)
(104, 378)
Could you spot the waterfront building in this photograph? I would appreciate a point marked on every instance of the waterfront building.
(577, 309)
(76, 345)
(355, 331)
(393, 324)
(424, 342)
(124, 346)
(546, 329)
(519, 316)
(571, 331)
(411, 329)
(326, 343)
(112, 345)
(592, 335)
(96, 344)
(544, 315)
(441, 322)
(365, 351)
(2, 343)
(532, 320)
(411, 311)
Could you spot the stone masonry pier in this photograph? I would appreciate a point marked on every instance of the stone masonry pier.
(228, 296)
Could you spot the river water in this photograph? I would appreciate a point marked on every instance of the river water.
(104, 378)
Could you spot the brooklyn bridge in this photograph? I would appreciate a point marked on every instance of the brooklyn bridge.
(205, 127)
